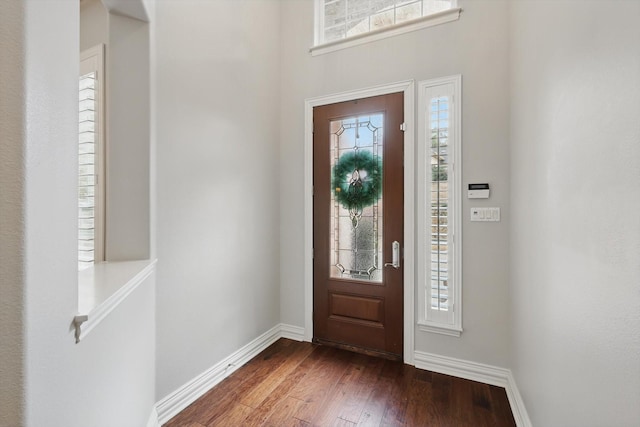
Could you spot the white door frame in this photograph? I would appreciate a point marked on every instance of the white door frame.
(407, 87)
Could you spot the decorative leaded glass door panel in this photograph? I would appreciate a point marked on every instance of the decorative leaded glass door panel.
(358, 224)
(356, 160)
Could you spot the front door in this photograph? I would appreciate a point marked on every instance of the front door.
(358, 225)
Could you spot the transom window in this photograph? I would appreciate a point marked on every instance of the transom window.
(343, 19)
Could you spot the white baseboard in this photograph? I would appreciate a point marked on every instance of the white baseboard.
(175, 402)
(517, 404)
(153, 418)
(462, 368)
(295, 333)
(486, 374)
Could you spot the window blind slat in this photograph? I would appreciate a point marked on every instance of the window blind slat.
(86, 171)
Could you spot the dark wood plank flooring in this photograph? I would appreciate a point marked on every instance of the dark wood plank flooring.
(302, 384)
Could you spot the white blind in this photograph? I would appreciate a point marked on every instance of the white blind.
(87, 171)
(439, 236)
(439, 201)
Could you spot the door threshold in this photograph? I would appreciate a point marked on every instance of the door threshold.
(360, 350)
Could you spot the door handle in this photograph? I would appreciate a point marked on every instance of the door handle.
(395, 256)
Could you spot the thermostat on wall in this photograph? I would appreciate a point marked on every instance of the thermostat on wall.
(478, 191)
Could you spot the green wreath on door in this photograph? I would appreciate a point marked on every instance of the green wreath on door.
(357, 182)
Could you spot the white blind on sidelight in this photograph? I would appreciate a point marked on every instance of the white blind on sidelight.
(439, 189)
(440, 238)
(87, 171)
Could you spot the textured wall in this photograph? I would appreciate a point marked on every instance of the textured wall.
(11, 213)
(575, 236)
(476, 47)
(217, 174)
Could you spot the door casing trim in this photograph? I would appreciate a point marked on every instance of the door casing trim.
(408, 89)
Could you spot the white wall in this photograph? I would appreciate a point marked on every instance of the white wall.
(94, 24)
(138, 9)
(108, 378)
(217, 174)
(575, 235)
(476, 47)
(128, 136)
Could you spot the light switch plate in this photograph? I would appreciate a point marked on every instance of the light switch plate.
(485, 214)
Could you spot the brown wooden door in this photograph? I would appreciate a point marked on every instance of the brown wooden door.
(357, 215)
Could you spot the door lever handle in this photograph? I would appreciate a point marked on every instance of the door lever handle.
(395, 256)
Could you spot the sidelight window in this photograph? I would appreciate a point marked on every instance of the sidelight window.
(440, 197)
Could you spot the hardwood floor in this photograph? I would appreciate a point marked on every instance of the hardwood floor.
(302, 384)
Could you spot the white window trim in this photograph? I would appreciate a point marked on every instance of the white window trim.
(453, 325)
(393, 30)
